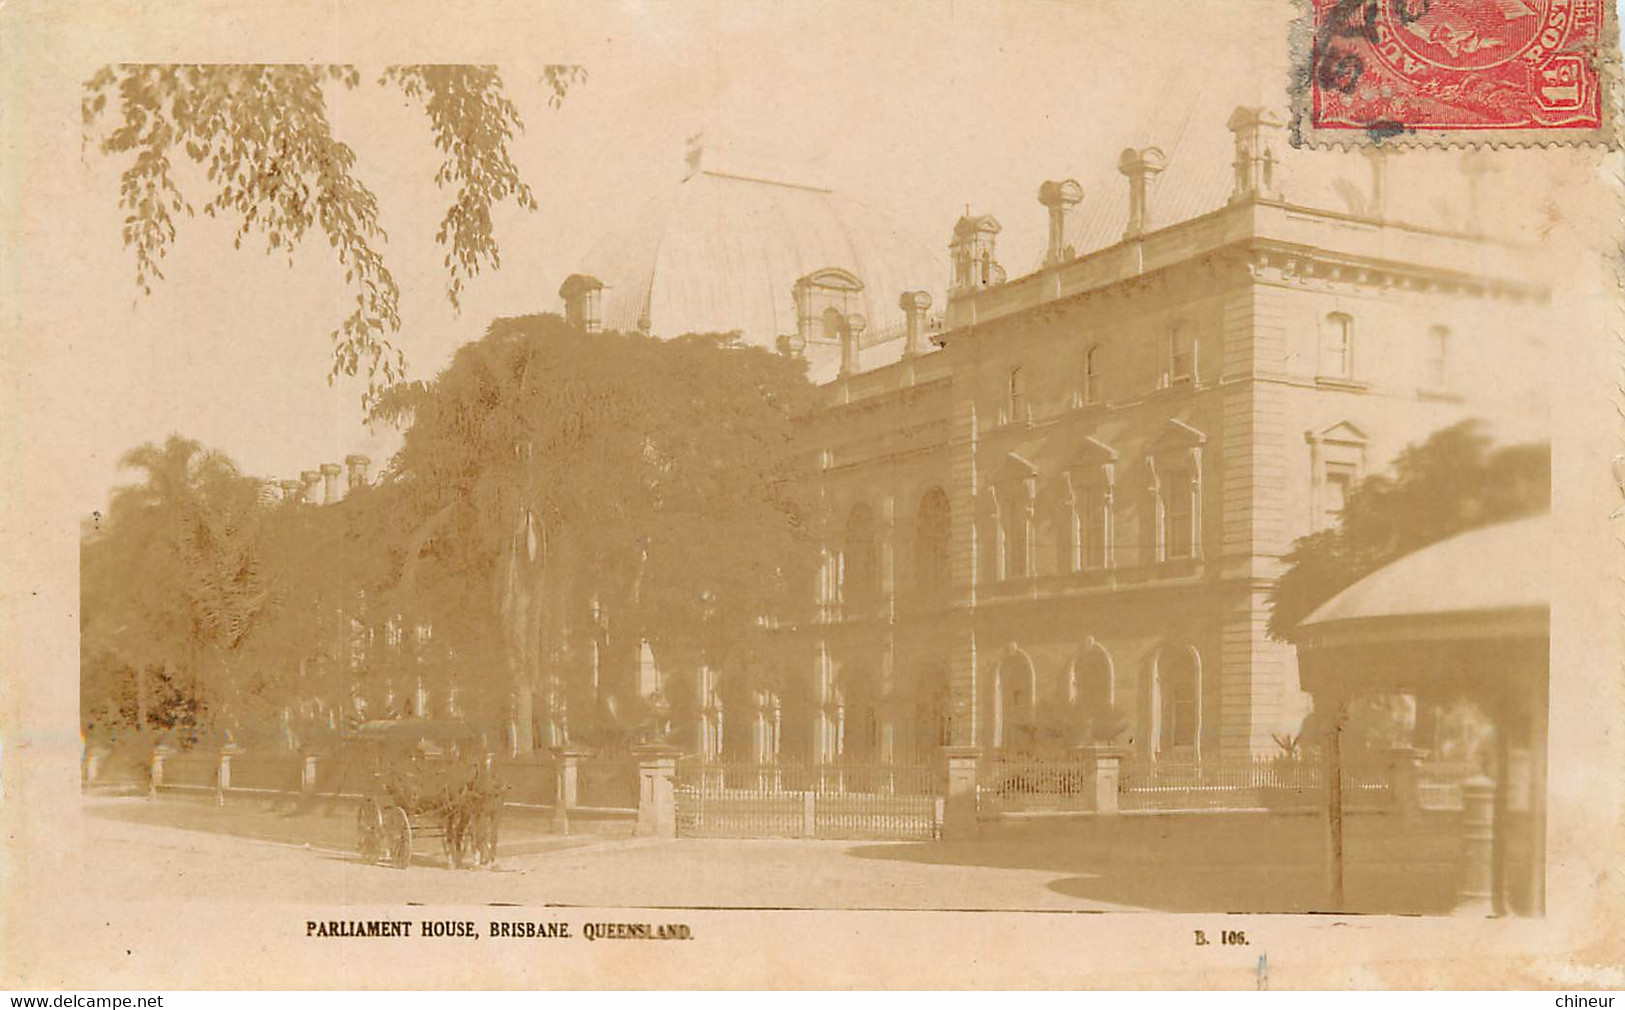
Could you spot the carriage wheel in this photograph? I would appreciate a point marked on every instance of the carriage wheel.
(369, 831)
(485, 838)
(398, 838)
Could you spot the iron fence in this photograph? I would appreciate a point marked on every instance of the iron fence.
(1025, 782)
(795, 800)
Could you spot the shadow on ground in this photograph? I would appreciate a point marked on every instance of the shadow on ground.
(1251, 862)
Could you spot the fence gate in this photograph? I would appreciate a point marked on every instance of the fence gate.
(724, 800)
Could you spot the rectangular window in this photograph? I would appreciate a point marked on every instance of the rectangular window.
(1181, 354)
(1179, 532)
(1438, 364)
(1093, 528)
(1335, 493)
(1337, 347)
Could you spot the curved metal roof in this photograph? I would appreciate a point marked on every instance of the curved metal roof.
(1492, 570)
(721, 252)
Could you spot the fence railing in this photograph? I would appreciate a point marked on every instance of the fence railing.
(747, 800)
(1062, 782)
(1270, 783)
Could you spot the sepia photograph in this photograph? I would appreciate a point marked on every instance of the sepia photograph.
(908, 479)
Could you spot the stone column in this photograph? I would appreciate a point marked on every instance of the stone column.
(657, 798)
(959, 808)
(1478, 847)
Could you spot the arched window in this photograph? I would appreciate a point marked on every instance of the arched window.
(931, 531)
(1090, 695)
(1337, 346)
(1093, 365)
(1015, 398)
(860, 573)
(1015, 709)
(1179, 676)
(1438, 357)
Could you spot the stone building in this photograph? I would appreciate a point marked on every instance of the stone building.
(1055, 509)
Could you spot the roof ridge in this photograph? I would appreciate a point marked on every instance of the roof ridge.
(766, 182)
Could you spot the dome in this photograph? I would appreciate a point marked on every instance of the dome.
(722, 252)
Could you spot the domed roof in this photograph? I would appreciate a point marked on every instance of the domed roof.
(1492, 571)
(722, 252)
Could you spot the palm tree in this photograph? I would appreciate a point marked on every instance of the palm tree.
(175, 572)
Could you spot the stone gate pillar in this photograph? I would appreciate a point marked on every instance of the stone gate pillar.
(959, 808)
(657, 797)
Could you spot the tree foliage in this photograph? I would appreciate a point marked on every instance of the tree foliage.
(1453, 481)
(605, 489)
(273, 165)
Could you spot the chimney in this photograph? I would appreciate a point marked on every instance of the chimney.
(1058, 197)
(971, 251)
(355, 466)
(330, 483)
(1141, 166)
(852, 327)
(1256, 130)
(312, 481)
(292, 491)
(583, 302)
(913, 304)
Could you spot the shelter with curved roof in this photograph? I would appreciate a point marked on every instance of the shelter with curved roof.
(1465, 618)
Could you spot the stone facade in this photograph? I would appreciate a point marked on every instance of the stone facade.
(1073, 506)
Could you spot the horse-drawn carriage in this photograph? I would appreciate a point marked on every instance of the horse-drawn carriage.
(430, 780)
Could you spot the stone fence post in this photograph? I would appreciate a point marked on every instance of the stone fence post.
(1405, 779)
(1478, 847)
(1103, 767)
(222, 778)
(307, 770)
(959, 807)
(657, 797)
(567, 783)
(155, 780)
(95, 758)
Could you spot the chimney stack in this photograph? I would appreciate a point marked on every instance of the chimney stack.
(972, 252)
(330, 483)
(312, 481)
(1059, 197)
(356, 465)
(583, 302)
(852, 327)
(1141, 166)
(292, 491)
(913, 304)
(1256, 130)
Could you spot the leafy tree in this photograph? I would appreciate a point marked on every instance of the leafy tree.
(172, 585)
(273, 165)
(584, 494)
(1453, 481)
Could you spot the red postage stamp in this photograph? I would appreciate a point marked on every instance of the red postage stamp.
(1388, 68)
